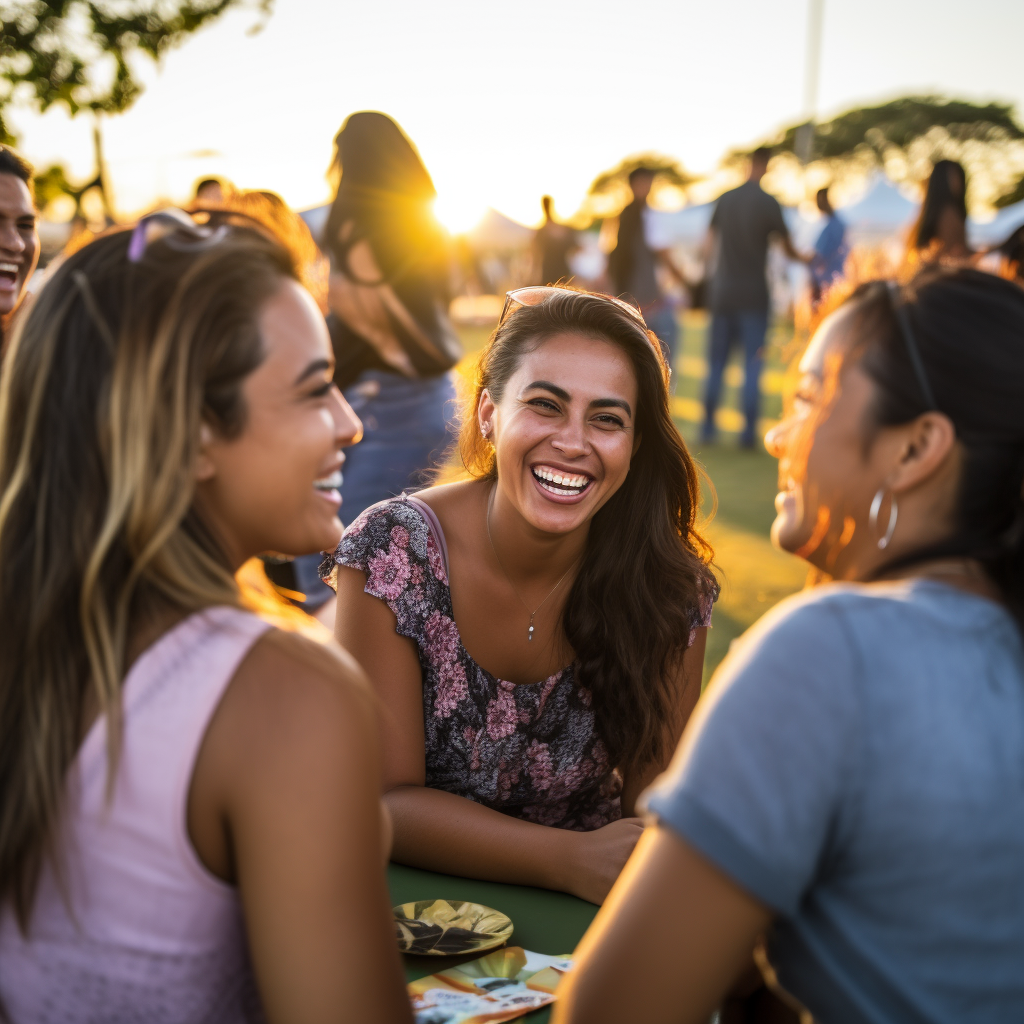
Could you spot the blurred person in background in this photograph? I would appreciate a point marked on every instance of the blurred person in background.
(212, 192)
(743, 224)
(940, 232)
(388, 299)
(273, 213)
(1011, 254)
(848, 796)
(633, 265)
(190, 817)
(830, 249)
(553, 244)
(19, 238)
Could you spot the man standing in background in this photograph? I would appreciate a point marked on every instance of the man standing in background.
(633, 263)
(553, 244)
(19, 239)
(830, 250)
(744, 222)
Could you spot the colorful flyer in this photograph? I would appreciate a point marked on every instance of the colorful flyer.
(501, 986)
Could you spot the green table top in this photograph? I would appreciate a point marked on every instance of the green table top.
(543, 921)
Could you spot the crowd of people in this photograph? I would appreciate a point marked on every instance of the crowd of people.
(200, 789)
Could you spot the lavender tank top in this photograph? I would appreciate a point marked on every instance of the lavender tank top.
(147, 933)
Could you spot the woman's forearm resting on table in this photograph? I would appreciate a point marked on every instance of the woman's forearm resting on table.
(439, 831)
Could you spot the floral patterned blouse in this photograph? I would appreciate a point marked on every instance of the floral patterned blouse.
(531, 751)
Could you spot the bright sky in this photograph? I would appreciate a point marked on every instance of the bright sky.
(507, 101)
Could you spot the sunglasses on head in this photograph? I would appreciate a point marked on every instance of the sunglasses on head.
(535, 295)
(910, 343)
(182, 232)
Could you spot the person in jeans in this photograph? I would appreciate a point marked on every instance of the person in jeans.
(393, 341)
(848, 797)
(744, 222)
(633, 265)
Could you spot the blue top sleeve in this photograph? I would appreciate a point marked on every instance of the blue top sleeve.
(769, 765)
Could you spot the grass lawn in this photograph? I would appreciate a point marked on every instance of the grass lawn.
(754, 575)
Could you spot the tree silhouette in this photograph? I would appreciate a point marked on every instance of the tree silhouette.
(907, 134)
(78, 53)
(898, 124)
(609, 191)
(1013, 195)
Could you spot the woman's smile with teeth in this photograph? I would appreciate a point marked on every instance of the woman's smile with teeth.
(560, 482)
(329, 483)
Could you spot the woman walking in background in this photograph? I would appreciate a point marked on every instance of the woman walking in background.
(940, 232)
(536, 629)
(388, 298)
(851, 786)
(190, 819)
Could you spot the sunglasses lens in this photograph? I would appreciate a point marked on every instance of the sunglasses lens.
(533, 296)
(177, 228)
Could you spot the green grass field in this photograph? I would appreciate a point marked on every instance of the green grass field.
(753, 574)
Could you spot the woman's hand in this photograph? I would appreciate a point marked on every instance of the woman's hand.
(600, 856)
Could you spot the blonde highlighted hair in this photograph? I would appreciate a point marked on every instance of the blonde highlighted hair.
(102, 396)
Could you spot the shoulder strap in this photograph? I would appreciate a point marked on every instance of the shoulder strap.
(433, 525)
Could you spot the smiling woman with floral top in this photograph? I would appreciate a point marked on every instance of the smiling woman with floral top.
(536, 629)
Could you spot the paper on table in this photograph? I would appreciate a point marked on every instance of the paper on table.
(498, 987)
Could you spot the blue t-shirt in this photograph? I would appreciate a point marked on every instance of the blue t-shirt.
(858, 766)
(830, 252)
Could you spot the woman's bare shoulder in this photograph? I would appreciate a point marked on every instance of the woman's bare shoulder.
(297, 717)
(451, 499)
(290, 675)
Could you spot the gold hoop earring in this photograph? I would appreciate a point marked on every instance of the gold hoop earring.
(876, 505)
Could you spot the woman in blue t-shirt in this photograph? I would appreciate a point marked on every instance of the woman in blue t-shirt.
(851, 789)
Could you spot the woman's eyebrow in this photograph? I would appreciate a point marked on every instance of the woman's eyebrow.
(611, 403)
(546, 385)
(598, 403)
(317, 366)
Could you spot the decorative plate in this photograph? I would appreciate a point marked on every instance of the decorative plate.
(449, 927)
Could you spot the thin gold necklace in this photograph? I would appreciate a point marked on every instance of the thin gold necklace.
(515, 589)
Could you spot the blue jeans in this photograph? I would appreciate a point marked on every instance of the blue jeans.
(750, 328)
(407, 426)
(663, 322)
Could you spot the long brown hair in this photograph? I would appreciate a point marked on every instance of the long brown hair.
(940, 195)
(102, 397)
(384, 196)
(645, 575)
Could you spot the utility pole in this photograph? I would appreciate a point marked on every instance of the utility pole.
(101, 169)
(812, 71)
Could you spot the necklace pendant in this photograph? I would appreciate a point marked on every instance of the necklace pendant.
(529, 636)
